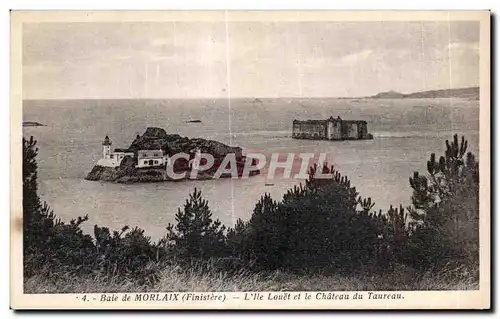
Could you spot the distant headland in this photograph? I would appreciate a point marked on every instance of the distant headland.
(151, 156)
(471, 93)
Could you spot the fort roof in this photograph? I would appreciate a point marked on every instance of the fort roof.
(331, 118)
(310, 121)
(354, 121)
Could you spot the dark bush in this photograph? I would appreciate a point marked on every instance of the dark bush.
(317, 227)
(46, 240)
(445, 212)
(196, 235)
(54, 246)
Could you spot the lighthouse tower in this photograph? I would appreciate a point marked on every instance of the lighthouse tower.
(106, 148)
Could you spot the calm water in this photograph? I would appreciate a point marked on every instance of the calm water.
(405, 131)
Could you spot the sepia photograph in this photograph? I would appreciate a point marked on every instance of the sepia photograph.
(239, 159)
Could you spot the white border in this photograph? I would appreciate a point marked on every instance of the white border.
(186, 4)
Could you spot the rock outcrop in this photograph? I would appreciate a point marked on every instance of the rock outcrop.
(157, 138)
(30, 123)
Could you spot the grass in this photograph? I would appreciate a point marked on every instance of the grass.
(174, 278)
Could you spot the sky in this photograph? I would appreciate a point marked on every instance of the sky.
(246, 59)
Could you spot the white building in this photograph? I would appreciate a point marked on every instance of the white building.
(111, 159)
(151, 158)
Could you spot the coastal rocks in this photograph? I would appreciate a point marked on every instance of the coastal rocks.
(120, 175)
(101, 173)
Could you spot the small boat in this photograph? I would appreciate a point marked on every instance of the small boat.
(193, 121)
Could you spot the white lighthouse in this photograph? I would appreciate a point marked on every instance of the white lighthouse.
(106, 148)
(109, 158)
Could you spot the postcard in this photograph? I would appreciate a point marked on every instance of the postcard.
(250, 160)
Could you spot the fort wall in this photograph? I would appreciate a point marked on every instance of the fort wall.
(330, 129)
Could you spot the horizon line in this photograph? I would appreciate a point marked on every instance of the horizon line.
(236, 97)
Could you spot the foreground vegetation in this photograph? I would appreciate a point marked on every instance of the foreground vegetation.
(178, 279)
(321, 236)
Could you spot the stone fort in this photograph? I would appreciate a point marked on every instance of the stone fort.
(331, 129)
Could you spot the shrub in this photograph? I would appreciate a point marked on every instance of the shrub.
(393, 238)
(317, 227)
(260, 241)
(130, 253)
(196, 235)
(53, 246)
(47, 240)
(445, 210)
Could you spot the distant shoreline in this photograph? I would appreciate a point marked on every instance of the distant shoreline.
(442, 93)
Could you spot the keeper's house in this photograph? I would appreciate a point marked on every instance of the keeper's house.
(150, 158)
(331, 129)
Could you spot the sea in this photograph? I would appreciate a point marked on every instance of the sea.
(406, 132)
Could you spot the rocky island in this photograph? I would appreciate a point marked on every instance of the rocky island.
(148, 159)
(31, 123)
